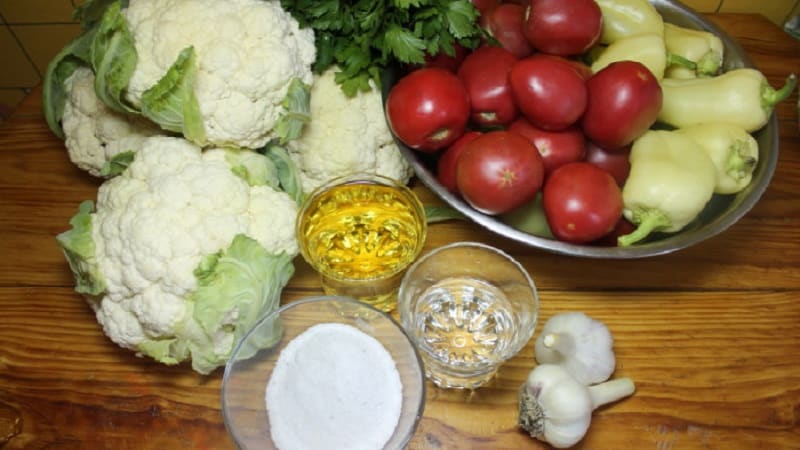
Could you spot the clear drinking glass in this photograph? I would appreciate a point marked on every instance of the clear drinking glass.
(361, 232)
(468, 307)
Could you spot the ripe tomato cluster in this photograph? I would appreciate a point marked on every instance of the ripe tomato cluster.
(526, 117)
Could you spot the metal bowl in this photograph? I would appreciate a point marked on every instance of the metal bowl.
(721, 212)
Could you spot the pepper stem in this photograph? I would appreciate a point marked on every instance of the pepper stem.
(709, 64)
(771, 96)
(678, 60)
(739, 164)
(647, 221)
(610, 391)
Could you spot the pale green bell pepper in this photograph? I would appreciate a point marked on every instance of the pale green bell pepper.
(733, 151)
(670, 181)
(741, 96)
(702, 47)
(623, 18)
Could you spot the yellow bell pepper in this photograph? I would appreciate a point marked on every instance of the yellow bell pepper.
(702, 47)
(647, 49)
(627, 18)
(670, 181)
(733, 151)
(741, 96)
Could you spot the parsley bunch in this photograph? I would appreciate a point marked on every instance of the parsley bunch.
(364, 37)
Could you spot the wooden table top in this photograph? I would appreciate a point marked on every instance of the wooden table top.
(710, 334)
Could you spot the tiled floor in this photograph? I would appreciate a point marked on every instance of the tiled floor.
(32, 31)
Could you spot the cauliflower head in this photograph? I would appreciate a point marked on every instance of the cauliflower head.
(248, 53)
(95, 134)
(183, 254)
(345, 135)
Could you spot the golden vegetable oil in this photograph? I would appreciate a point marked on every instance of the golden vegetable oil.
(360, 236)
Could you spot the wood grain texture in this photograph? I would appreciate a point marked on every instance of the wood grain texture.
(710, 334)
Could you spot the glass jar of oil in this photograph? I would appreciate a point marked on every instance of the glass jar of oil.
(360, 233)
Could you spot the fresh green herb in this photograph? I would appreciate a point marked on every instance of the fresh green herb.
(436, 214)
(364, 37)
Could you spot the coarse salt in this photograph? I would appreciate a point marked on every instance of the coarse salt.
(333, 387)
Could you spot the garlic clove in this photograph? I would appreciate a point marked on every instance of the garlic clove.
(582, 345)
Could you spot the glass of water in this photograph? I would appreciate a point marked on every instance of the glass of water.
(468, 307)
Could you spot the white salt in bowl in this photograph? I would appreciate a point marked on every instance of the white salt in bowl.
(338, 371)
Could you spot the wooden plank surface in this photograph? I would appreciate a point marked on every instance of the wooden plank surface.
(710, 334)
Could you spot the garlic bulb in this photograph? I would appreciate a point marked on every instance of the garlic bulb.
(556, 408)
(582, 345)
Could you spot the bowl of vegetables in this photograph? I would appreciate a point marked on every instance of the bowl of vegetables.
(637, 205)
(324, 372)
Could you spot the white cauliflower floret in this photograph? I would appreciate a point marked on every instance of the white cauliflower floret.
(247, 51)
(94, 133)
(184, 255)
(346, 135)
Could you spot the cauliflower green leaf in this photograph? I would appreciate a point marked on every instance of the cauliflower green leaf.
(236, 288)
(114, 58)
(61, 67)
(79, 250)
(252, 167)
(91, 11)
(296, 111)
(117, 164)
(246, 279)
(287, 172)
(172, 103)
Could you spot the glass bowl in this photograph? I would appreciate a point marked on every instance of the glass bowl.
(720, 213)
(245, 401)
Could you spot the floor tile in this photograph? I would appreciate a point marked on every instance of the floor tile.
(42, 42)
(17, 71)
(36, 11)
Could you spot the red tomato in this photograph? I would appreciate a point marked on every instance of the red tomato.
(428, 109)
(624, 101)
(563, 27)
(549, 91)
(446, 166)
(584, 70)
(499, 171)
(484, 5)
(504, 22)
(446, 61)
(615, 162)
(556, 147)
(484, 73)
(582, 202)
